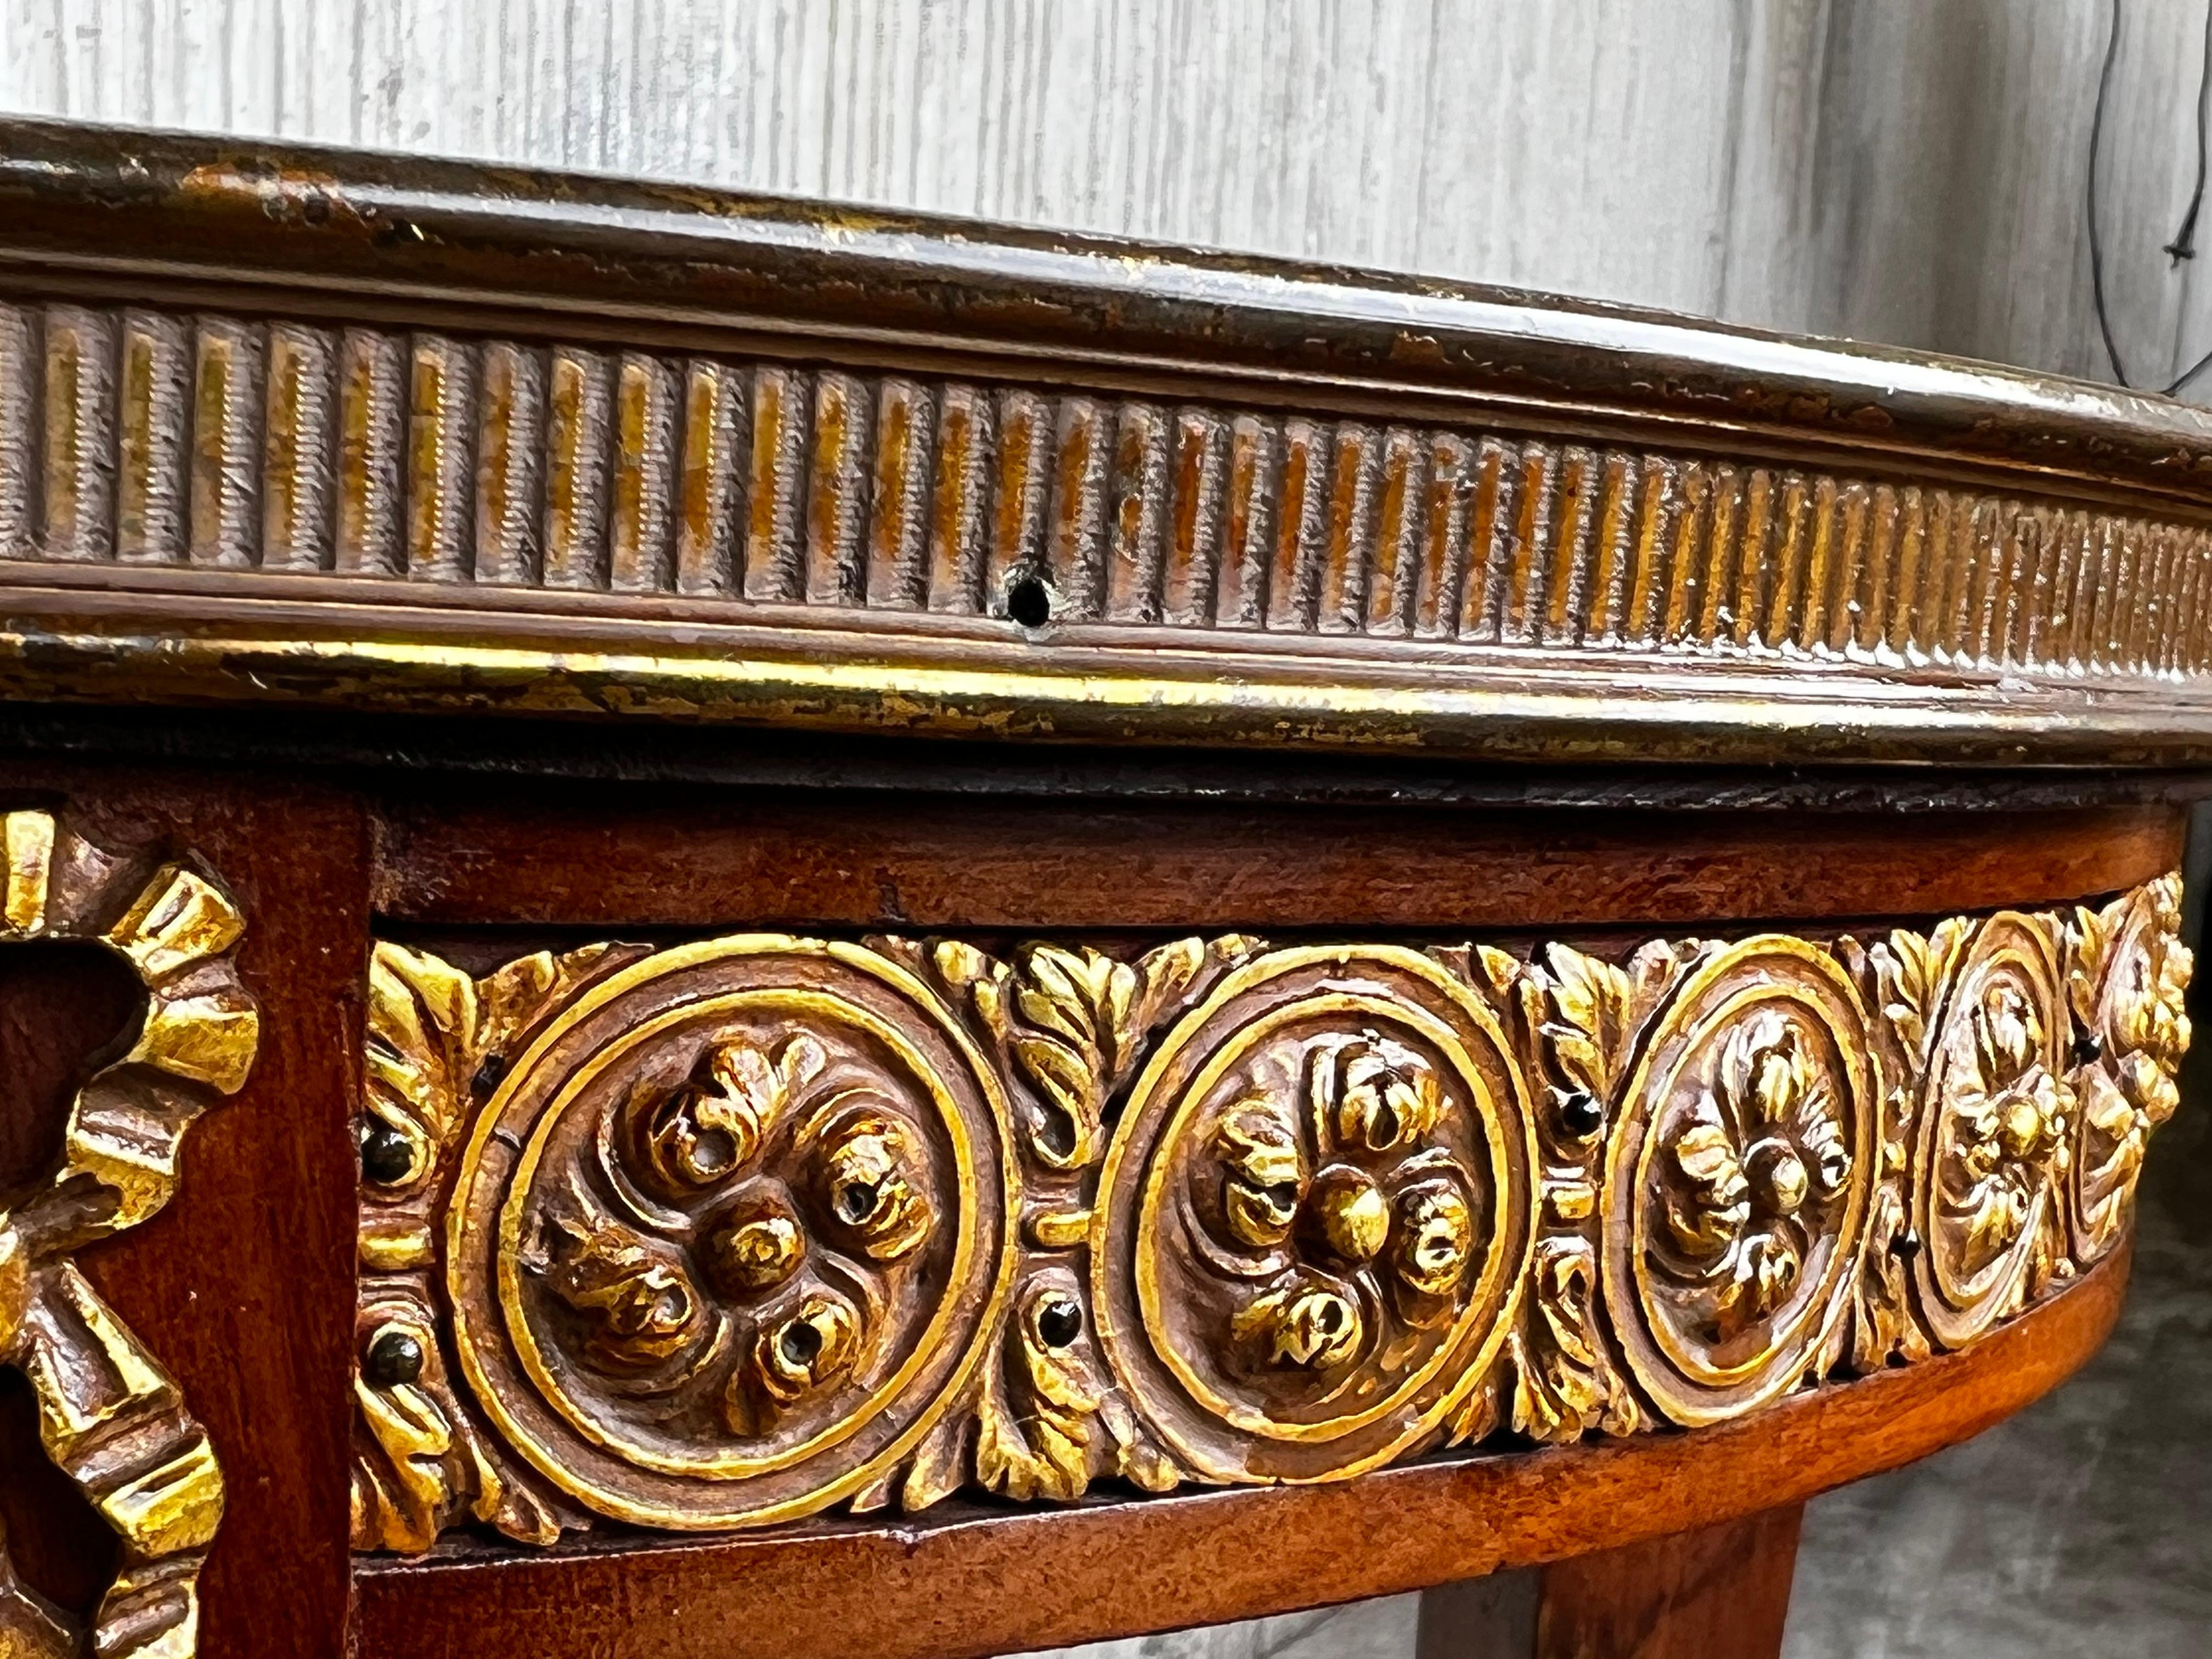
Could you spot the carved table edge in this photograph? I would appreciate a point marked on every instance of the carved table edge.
(977, 1580)
(1231, 1193)
(1673, 540)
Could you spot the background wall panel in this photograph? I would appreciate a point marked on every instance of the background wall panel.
(1910, 171)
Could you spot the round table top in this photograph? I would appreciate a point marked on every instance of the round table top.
(280, 423)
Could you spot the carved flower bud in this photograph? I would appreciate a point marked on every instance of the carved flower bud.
(638, 1303)
(1778, 1178)
(870, 1185)
(1436, 1238)
(2148, 1087)
(2020, 1126)
(755, 1245)
(716, 1124)
(1778, 1082)
(1263, 1177)
(2009, 1032)
(814, 1345)
(1347, 1214)
(1376, 1095)
(1308, 1325)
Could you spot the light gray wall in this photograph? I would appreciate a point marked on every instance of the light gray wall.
(1907, 171)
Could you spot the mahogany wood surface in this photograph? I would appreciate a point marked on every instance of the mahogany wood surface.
(1719, 1592)
(244, 1286)
(691, 859)
(969, 1580)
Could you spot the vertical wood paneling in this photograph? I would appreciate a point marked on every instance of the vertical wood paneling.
(710, 515)
(577, 401)
(1142, 505)
(959, 529)
(1912, 174)
(79, 464)
(510, 448)
(21, 360)
(641, 530)
(1201, 512)
(371, 413)
(151, 425)
(296, 439)
(441, 458)
(898, 536)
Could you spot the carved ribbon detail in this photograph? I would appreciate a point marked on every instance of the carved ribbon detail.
(109, 1416)
(731, 1232)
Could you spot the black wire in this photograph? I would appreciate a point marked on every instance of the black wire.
(2096, 236)
(2183, 246)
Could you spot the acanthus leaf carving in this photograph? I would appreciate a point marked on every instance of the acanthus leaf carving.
(1580, 1017)
(439, 1041)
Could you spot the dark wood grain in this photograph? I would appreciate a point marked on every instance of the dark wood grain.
(1719, 1592)
(63, 1008)
(969, 1580)
(697, 858)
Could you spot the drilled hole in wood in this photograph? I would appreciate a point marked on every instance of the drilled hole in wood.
(1029, 602)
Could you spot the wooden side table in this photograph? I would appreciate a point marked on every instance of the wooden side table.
(745, 928)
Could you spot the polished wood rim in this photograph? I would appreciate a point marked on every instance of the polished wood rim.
(289, 425)
(970, 1580)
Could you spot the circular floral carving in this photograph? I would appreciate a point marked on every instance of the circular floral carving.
(1315, 1214)
(1745, 1137)
(728, 1233)
(1996, 1132)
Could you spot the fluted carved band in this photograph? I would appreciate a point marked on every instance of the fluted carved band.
(731, 1232)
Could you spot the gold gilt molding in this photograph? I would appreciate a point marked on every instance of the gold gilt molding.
(729, 1233)
(134, 436)
(109, 1416)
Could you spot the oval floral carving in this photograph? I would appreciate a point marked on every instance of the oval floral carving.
(1315, 1217)
(1749, 1121)
(1996, 1127)
(2128, 983)
(726, 1234)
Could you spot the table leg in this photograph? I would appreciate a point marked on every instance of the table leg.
(1722, 1592)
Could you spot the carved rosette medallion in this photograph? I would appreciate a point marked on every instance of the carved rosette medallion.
(1315, 1217)
(724, 1234)
(723, 1240)
(1996, 1131)
(1739, 1169)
